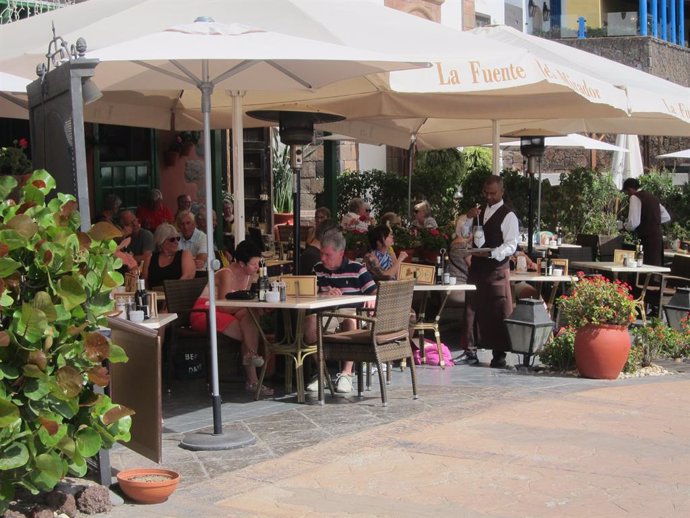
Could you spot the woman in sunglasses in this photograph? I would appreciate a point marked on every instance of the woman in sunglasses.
(167, 261)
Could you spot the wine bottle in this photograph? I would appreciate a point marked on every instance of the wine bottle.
(640, 257)
(142, 298)
(439, 270)
(542, 264)
(549, 264)
(263, 282)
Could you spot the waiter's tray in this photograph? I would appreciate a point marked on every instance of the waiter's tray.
(474, 250)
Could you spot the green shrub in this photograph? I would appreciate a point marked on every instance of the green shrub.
(55, 285)
(660, 340)
(559, 352)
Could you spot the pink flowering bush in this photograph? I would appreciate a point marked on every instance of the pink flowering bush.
(597, 300)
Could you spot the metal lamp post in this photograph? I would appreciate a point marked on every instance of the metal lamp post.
(529, 327)
(678, 308)
(296, 129)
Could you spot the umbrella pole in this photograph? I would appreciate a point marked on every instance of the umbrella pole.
(203, 440)
(539, 203)
(530, 225)
(410, 167)
(296, 209)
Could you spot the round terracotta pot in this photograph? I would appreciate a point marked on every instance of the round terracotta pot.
(148, 485)
(601, 350)
(283, 218)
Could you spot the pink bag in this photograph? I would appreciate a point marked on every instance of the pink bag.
(431, 354)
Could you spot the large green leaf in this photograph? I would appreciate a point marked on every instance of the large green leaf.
(13, 239)
(117, 354)
(8, 266)
(14, 456)
(43, 302)
(49, 471)
(88, 442)
(7, 183)
(69, 380)
(71, 291)
(9, 413)
(30, 323)
(24, 225)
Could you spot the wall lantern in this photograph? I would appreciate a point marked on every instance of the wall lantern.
(546, 13)
(532, 8)
(678, 308)
(529, 327)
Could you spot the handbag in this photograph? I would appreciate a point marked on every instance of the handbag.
(240, 295)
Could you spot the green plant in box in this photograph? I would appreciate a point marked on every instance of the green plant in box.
(55, 284)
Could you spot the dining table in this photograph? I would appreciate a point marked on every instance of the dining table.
(617, 268)
(420, 325)
(292, 343)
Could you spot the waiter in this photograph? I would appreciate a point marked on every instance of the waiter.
(645, 216)
(489, 271)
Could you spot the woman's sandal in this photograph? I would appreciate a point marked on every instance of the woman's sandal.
(253, 360)
(265, 391)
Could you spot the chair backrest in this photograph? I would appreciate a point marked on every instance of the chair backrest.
(393, 303)
(584, 253)
(181, 294)
(680, 265)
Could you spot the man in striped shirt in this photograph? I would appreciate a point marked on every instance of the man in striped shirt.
(337, 275)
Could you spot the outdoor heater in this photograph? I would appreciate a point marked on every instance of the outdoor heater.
(529, 327)
(296, 129)
(678, 308)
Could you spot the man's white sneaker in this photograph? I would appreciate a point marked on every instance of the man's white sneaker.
(343, 384)
(313, 385)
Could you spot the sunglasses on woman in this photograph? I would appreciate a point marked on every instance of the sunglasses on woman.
(175, 239)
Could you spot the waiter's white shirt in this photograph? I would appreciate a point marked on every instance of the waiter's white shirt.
(635, 213)
(510, 228)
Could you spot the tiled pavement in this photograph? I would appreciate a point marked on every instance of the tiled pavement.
(477, 442)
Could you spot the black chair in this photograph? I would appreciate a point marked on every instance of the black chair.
(180, 296)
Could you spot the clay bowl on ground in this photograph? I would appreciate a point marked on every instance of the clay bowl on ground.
(148, 485)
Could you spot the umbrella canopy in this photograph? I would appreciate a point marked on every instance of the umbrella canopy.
(12, 105)
(653, 106)
(685, 153)
(627, 164)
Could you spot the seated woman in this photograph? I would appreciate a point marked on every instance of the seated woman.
(236, 322)
(381, 261)
(422, 216)
(358, 217)
(167, 261)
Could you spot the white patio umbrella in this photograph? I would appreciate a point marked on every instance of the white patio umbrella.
(208, 55)
(13, 106)
(627, 164)
(685, 153)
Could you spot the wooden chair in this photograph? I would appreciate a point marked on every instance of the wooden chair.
(180, 296)
(668, 282)
(386, 338)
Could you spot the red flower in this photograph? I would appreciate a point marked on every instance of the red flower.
(363, 217)
(434, 232)
(23, 143)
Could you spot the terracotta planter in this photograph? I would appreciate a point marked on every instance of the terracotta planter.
(186, 149)
(427, 254)
(148, 485)
(283, 218)
(601, 350)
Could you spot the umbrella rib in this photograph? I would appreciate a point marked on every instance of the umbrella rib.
(289, 74)
(235, 70)
(190, 79)
(19, 102)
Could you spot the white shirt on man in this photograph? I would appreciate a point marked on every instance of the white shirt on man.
(196, 244)
(510, 228)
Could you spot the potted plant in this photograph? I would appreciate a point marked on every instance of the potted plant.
(13, 159)
(404, 240)
(601, 310)
(55, 284)
(187, 140)
(356, 243)
(282, 181)
(432, 240)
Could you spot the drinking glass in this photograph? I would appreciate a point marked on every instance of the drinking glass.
(478, 233)
(466, 235)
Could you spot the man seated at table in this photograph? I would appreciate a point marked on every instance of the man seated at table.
(192, 238)
(337, 275)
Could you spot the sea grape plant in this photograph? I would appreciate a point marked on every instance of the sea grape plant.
(55, 284)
